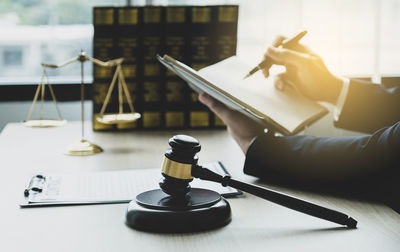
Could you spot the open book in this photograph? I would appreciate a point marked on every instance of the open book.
(287, 112)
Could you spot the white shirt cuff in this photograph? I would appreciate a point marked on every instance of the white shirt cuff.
(341, 99)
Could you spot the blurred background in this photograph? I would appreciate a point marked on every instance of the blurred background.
(356, 38)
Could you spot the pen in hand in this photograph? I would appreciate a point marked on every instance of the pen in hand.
(287, 43)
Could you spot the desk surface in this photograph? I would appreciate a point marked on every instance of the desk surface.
(256, 225)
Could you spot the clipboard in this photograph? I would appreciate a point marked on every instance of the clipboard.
(287, 113)
(106, 187)
(201, 85)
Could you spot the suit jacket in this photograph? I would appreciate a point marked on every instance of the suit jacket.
(369, 107)
(368, 164)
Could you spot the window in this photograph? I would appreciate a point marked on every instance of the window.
(36, 31)
(12, 57)
(354, 37)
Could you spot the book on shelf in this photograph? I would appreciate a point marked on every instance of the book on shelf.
(287, 112)
(226, 40)
(152, 32)
(127, 47)
(103, 49)
(201, 52)
(176, 43)
(199, 35)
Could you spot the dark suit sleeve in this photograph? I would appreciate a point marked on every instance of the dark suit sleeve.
(372, 161)
(369, 107)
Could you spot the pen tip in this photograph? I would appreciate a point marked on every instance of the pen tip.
(351, 223)
(247, 75)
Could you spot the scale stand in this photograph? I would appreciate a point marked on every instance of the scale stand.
(83, 147)
(121, 117)
(41, 122)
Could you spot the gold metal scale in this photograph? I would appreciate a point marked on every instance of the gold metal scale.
(41, 122)
(84, 147)
(120, 117)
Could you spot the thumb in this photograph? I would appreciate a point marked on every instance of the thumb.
(284, 56)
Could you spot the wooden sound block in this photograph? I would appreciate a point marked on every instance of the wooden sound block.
(156, 211)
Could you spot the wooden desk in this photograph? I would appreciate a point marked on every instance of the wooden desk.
(257, 225)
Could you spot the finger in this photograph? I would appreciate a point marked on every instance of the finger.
(285, 80)
(279, 81)
(265, 72)
(283, 56)
(296, 47)
(279, 84)
(277, 42)
(301, 48)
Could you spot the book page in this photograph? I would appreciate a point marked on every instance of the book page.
(289, 108)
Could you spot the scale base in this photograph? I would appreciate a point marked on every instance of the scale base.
(44, 123)
(156, 211)
(83, 148)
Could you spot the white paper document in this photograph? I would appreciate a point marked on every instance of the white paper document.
(109, 186)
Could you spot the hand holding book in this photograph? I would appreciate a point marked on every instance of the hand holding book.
(242, 128)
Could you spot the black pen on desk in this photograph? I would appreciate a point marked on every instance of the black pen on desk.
(287, 43)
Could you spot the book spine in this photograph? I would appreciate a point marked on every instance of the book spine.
(201, 52)
(103, 49)
(153, 74)
(176, 90)
(225, 40)
(127, 47)
(226, 31)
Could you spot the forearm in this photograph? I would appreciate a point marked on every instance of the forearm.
(369, 107)
(313, 159)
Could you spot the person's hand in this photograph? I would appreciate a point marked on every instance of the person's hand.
(242, 129)
(305, 71)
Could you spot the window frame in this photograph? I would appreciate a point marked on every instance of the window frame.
(63, 92)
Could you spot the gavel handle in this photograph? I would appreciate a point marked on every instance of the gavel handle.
(277, 197)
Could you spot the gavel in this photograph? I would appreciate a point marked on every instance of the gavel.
(180, 167)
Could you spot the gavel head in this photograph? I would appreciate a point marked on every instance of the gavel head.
(178, 163)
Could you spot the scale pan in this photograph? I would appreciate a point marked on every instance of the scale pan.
(118, 118)
(44, 123)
